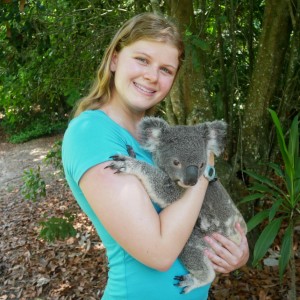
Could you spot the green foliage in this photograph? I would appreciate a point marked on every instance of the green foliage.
(48, 56)
(34, 186)
(282, 196)
(54, 156)
(193, 45)
(36, 129)
(57, 228)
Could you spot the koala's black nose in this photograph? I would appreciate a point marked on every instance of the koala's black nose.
(191, 175)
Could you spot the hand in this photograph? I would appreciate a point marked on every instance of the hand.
(211, 159)
(227, 255)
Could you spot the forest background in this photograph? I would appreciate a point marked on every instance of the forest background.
(243, 58)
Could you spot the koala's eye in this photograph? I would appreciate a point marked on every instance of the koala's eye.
(201, 166)
(176, 162)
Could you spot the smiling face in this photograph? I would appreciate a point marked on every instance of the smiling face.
(144, 73)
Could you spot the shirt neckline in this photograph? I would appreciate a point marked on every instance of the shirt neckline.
(117, 124)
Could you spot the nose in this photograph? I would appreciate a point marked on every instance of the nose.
(191, 175)
(151, 74)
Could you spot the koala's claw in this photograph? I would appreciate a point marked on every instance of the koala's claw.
(179, 284)
(179, 278)
(118, 157)
(113, 167)
(119, 163)
(184, 281)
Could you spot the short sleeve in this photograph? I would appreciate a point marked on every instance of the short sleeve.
(90, 139)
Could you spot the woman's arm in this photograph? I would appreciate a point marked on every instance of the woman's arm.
(126, 211)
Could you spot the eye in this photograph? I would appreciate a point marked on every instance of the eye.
(142, 60)
(201, 166)
(176, 162)
(166, 70)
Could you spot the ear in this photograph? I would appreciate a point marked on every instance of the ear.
(113, 62)
(150, 130)
(215, 134)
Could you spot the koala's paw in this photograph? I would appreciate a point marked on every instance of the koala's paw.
(120, 163)
(187, 282)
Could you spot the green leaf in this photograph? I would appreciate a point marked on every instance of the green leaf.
(282, 145)
(188, 32)
(267, 186)
(259, 177)
(201, 44)
(251, 198)
(276, 168)
(263, 189)
(262, 179)
(259, 188)
(294, 140)
(286, 250)
(257, 219)
(266, 239)
(297, 179)
(274, 209)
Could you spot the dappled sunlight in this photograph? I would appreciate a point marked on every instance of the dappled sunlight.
(38, 154)
(22, 157)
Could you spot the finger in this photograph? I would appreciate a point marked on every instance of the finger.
(239, 229)
(233, 256)
(244, 242)
(211, 159)
(222, 242)
(220, 269)
(220, 248)
(219, 264)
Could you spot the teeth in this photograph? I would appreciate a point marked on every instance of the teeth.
(143, 88)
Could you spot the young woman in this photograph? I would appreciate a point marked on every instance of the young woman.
(142, 242)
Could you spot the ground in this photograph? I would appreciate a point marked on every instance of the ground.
(76, 268)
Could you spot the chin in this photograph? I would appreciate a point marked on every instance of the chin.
(143, 109)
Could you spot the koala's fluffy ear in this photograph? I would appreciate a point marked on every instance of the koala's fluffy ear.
(149, 131)
(215, 134)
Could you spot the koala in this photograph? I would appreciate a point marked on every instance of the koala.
(180, 154)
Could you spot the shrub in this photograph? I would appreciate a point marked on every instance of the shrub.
(57, 228)
(34, 186)
(282, 200)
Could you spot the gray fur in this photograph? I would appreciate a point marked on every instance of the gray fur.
(174, 149)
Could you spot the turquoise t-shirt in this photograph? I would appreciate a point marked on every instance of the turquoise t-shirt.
(91, 139)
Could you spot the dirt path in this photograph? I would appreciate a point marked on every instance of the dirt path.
(15, 158)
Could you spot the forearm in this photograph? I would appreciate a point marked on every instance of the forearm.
(177, 222)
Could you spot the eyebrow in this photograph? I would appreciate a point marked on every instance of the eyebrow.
(166, 65)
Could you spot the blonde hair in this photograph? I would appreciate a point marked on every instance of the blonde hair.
(146, 26)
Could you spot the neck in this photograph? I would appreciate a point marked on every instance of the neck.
(124, 117)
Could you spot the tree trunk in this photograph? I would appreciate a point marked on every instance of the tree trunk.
(180, 94)
(155, 6)
(189, 97)
(290, 101)
(250, 36)
(266, 74)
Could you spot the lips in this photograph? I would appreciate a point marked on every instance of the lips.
(144, 89)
